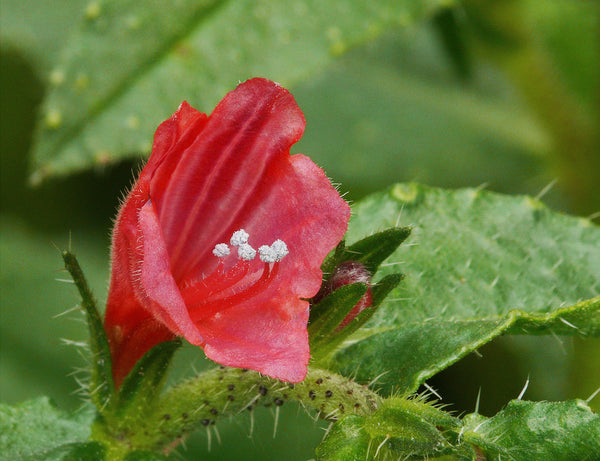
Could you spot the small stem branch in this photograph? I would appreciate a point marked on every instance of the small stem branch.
(87, 298)
(101, 382)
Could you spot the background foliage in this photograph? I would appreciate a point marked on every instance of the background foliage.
(448, 93)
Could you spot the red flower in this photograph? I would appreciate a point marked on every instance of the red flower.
(183, 257)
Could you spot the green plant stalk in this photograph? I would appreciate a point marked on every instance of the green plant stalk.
(201, 401)
(505, 38)
(576, 145)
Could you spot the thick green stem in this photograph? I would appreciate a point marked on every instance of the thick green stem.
(204, 399)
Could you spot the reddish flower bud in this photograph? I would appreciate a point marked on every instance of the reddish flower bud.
(346, 273)
(222, 237)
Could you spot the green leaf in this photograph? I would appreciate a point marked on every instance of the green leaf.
(37, 29)
(478, 265)
(524, 431)
(129, 65)
(37, 430)
(371, 251)
(82, 451)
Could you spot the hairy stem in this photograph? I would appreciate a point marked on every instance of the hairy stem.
(201, 401)
(101, 382)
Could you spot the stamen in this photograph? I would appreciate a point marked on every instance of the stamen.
(221, 250)
(274, 253)
(246, 252)
(267, 254)
(200, 295)
(280, 249)
(239, 237)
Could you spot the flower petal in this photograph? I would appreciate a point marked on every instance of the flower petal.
(130, 328)
(164, 299)
(272, 339)
(268, 332)
(199, 200)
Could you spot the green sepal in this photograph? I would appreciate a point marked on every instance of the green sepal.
(328, 339)
(334, 308)
(144, 383)
(370, 251)
(102, 387)
(381, 289)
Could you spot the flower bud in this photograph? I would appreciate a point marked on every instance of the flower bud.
(346, 273)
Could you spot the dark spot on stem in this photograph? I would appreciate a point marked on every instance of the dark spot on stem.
(312, 394)
(205, 422)
(341, 406)
(167, 417)
(262, 390)
(231, 398)
(278, 401)
(184, 415)
(328, 394)
(231, 387)
(319, 381)
(213, 411)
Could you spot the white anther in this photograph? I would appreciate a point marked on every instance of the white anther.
(221, 250)
(267, 254)
(246, 252)
(273, 253)
(239, 237)
(280, 249)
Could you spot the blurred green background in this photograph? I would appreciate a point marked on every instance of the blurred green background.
(504, 93)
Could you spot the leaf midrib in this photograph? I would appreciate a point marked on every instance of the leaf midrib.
(511, 316)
